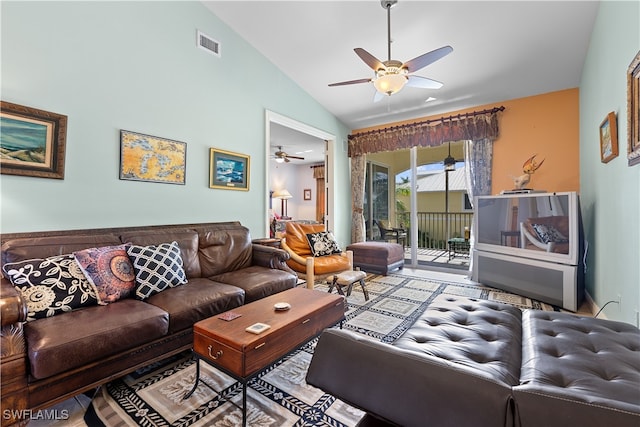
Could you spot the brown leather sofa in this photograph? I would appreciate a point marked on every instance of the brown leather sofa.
(483, 364)
(50, 359)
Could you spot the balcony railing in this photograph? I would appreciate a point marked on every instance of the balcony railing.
(432, 227)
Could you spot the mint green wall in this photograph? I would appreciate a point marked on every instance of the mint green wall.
(610, 193)
(135, 66)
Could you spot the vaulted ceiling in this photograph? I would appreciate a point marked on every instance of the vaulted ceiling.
(501, 50)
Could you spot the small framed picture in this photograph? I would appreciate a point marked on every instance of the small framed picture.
(307, 194)
(228, 170)
(608, 138)
(633, 111)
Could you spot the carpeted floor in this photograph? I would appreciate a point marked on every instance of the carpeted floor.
(279, 396)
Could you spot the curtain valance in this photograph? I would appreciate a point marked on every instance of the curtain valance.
(318, 171)
(469, 126)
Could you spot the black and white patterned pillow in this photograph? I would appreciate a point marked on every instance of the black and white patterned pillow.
(157, 268)
(548, 233)
(323, 243)
(51, 286)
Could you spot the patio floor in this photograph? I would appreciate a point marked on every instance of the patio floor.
(439, 258)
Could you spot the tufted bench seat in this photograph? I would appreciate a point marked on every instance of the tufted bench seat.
(467, 362)
(574, 364)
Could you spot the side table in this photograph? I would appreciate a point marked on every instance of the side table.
(267, 242)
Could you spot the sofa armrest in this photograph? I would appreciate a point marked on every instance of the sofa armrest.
(405, 387)
(270, 257)
(13, 309)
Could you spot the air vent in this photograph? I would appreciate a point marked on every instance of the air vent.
(208, 44)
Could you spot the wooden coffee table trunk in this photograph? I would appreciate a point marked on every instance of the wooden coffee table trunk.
(227, 345)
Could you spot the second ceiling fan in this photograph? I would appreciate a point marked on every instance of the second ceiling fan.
(280, 156)
(391, 75)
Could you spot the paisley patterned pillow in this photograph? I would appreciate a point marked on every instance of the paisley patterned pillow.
(323, 243)
(109, 269)
(51, 286)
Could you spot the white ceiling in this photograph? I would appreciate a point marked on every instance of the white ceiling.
(501, 50)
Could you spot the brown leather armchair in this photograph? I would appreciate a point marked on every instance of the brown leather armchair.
(302, 260)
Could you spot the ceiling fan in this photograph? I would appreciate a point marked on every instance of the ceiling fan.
(391, 75)
(281, 157)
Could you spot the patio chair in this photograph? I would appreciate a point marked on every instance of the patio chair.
(389, 233)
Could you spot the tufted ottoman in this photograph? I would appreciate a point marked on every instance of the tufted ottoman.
(467, 362)
(586, 371)
(377, 257)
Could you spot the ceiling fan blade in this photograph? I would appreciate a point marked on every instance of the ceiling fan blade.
(428, 58)
(351, 82)
(295, 157)
(423, 82)
(369, 59)
(286, 160)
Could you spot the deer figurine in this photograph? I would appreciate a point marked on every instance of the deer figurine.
(529, 167)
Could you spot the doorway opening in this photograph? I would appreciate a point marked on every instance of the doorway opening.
(309, 196)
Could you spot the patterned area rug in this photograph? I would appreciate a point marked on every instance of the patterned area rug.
(279, 396)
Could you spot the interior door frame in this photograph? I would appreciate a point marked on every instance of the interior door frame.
(330, 139)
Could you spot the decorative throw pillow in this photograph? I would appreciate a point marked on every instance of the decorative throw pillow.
(548, 233)
(323, 243)
(51, 286)
(157, 268)
(109, 269)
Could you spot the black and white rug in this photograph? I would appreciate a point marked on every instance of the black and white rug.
(279, 396)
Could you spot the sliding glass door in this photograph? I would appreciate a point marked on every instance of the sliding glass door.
(376, 197)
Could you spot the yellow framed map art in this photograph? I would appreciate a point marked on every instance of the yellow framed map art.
(152, 159)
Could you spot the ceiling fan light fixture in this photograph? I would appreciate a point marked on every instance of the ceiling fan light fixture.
(389, 84)
(279, 160)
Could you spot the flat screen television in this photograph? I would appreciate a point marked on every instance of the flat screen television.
(541, 226)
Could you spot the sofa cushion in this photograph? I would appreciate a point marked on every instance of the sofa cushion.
(195, 301)
(157, 268)
(187, 240)
(323, 264)
(323, 243)
(52, 285)
(224, 249)
(258, 282)
(61, 343)
(109, 269)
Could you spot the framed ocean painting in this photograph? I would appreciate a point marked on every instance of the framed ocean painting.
(228, 170)
(32, 141)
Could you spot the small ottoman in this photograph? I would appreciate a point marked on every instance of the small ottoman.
(377, 257)
(348, 278)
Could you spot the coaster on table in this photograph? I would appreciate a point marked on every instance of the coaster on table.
(257, 328)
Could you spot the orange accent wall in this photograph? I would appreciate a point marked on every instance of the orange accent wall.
(546, 125)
